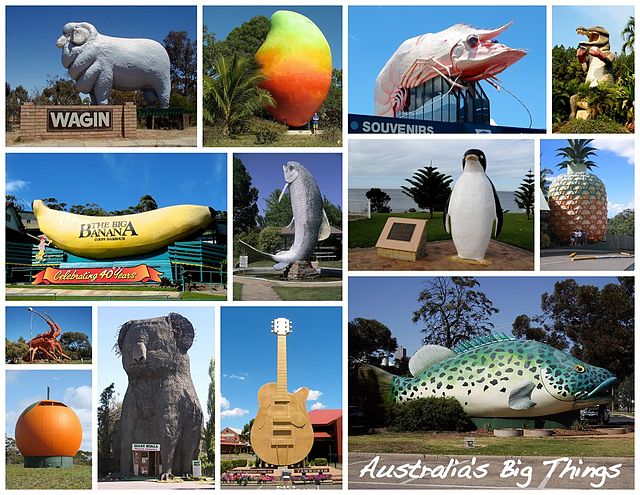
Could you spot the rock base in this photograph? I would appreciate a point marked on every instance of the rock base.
(302, 270)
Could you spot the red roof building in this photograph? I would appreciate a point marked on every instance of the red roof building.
(327, 434)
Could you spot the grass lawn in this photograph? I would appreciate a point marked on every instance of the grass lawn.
(270, 263)
(308, 293)
(249, 140)
(237, 291)
(516, 229)
(443, 444)
(136, 288)
(202, 296)
(77, 477)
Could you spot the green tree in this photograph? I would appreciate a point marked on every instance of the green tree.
(333, 211)
(453, 310)
(628, 35)
(12, 200)
(107, 416)
(146, 203)
(54, 204)
(269, 240)
(59, 92)
(233, 95)
(369, 342)
(576, 155)
(246, 429)
(14, 99)
(91, 209)
(210, 427)
(379, 200)
(76, 342)
(526, 193)
(625, 395)
(622, 223)
(567, 75)
(331, 110)
(545, 181)
(429, 189)
(184, 64)
(15, 351)
(595, 324)
(12, 455)
(277, 213)
(245, 198)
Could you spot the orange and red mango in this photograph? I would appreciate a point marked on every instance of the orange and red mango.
(296, 60)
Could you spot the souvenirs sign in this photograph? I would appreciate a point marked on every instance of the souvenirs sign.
(403, 239)
(112, 275)
(79, 120)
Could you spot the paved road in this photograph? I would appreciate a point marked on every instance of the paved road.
(156, 485)
(563, 262)
(532, 472)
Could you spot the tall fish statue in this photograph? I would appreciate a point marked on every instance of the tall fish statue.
(499, 376)
(459, 53)
(309, 222)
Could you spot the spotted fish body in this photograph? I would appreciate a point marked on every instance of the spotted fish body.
(497, 376)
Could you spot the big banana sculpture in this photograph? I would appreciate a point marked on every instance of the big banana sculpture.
(123, 235)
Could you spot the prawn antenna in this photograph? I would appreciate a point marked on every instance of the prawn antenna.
(521, 103)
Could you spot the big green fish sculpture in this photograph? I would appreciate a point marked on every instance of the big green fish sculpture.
(499, 376)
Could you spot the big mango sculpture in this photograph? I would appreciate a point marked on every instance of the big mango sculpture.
(295, 58)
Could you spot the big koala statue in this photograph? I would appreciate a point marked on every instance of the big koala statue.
(160, 405)
(99, 63)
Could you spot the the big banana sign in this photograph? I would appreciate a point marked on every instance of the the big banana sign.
(122, 235)
(115, 275)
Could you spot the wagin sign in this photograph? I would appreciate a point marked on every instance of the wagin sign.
(79, 120)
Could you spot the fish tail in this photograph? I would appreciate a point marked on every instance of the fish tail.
(376, 382)
(257, 252)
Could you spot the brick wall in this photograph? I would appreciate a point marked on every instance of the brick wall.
(33, 122)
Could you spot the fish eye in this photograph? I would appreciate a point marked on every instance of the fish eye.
(472, 40)
(579, 368)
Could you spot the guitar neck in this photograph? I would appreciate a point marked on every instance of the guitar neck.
(282, 364)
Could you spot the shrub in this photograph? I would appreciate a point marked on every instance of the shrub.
(601, 124)
(229, 465)
(267, 132)
(580, 425)
(430, 414)
(250, 238)
(269, 240)
(545, 241)
(331, 135)
(320, 461)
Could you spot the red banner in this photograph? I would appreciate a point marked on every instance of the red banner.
(117, 275)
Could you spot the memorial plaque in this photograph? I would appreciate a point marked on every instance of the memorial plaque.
(403, 239)
(401, 232)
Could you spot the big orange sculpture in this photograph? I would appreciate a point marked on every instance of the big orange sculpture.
(295, 58)
(48, 434)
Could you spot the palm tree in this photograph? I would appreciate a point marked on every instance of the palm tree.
(233, 95)
(629, 35)
(577, 199)
(429, 189)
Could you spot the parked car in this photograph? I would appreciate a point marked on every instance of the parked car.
(593, 415)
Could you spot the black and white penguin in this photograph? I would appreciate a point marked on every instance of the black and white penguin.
(472, 208)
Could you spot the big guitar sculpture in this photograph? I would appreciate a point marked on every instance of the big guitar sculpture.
(281, 434)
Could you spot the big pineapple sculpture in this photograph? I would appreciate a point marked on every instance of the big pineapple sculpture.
(578, 198)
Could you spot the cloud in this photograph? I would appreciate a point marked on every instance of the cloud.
(386, 163)
(241, 376)
(615, 208)
(16, 185)
(318, 405)
(234, 413)
(228, 412)
(623, 148)
(79, 399)
(313, 394)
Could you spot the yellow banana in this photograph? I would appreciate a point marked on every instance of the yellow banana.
(122, 235)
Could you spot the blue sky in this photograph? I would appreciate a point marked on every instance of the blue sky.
(386, 163)
(248, 354)
(73, 387)
(266, 172)
(45, 27)
(615, 162)
(376, 32)
(373, 298)
(110, 319)
(20, 322)
(221, 20)
(566, 19)
(118, 180)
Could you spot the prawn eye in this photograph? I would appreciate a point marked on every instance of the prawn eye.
(579, 368)
(472, 40)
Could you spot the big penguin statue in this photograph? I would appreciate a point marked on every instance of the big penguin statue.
(472, 208)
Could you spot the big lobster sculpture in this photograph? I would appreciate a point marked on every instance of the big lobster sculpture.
(46, 345)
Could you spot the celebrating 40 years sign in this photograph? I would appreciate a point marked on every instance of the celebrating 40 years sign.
(117, 275)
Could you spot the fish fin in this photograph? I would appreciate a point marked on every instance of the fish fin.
(520, 396)
(325, 228)
(427, 356)
(281, 266)
(291, 223)
(483, 340)
(373, 381)
(257, 251)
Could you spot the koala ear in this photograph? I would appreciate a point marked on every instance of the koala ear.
(122, 335)
(183, 331)
(81, 33)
